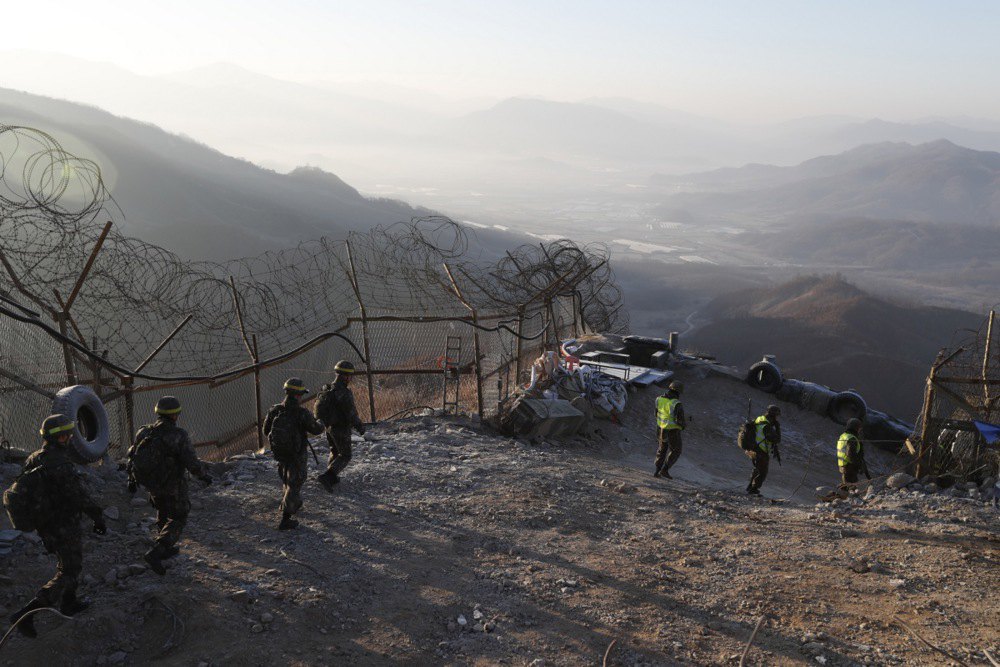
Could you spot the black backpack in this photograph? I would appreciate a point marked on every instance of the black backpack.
(21, 500)
(746, 437)
(285, 435)
(148, 462)
(326, 406)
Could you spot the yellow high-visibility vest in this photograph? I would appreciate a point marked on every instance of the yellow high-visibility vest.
(666, 409)
(844, 449)
(762, 442)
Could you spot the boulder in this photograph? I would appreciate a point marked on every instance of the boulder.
(898, 480)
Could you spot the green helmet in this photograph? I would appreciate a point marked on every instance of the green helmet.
(773, 410)
(57, 425)
(168, 406)
(676, 386)
(295, 386)
(344, 367)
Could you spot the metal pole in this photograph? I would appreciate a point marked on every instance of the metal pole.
(163, 344)
(256, 387)
(987, 404)
(87, 266)
(475, 340)
(364, 332)
(67, 354)
(239, 316)
(520, 345)
(129, 406)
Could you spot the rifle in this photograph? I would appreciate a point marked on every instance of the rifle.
(315, 458)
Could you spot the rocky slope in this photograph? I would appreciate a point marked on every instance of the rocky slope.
(448, 544)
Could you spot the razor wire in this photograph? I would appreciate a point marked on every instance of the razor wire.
(52, 210)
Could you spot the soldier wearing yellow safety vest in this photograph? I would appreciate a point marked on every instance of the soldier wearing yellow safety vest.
(851, 454)
(670, 422)
(768, 436)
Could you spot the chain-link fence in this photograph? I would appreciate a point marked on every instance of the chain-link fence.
(963, 387)
(417, 306)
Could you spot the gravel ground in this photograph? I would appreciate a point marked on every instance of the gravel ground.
(447, 544)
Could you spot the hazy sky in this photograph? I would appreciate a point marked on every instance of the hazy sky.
(756, 59)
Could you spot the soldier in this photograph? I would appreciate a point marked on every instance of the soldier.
(851, 455)
(158, 459)
(58, 499)
(767, 438)
(336, 411)
(670, 421)
(287, 427)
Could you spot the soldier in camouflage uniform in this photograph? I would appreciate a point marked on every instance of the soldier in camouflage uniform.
(170, 496)
(289, 422)
(335, 409)
(62, 499)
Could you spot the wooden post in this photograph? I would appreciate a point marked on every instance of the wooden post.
(364, 333)
(256, 387)
(162, 345)
(475, 340)
(87, 266)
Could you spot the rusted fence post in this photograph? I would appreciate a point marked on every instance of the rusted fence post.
(256, 388)
(520, 345)
(366, 344)
(127, 387)
(475, 340)
(988, 403)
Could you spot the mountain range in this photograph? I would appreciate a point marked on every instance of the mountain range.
(824, 329)
(932, 182)
(195, 200)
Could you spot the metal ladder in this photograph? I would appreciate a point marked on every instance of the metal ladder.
(452, 379)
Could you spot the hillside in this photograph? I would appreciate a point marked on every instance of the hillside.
(826, 330)
(932, 182)
(448, 544)
(194, 200)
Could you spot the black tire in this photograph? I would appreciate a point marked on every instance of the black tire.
(816, 398)
(765, 376)
(790, 392)
(847, 405)
(92, 433)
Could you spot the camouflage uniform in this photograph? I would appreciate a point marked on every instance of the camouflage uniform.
(338, 423)
(65, 499)
(293, 472)
(171, 500)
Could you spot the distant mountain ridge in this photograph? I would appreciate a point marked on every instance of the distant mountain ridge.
(194, 200)
(824, 329)
(933, 182)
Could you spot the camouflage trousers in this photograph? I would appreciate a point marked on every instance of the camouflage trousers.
(669, 450)
(66, 542)
(293, 475)
(340, 452)
(761, 464)
(172, 511)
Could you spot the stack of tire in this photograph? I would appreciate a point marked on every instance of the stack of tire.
(766, 376)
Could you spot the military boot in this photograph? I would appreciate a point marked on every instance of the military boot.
(327, 481)
(287, 522)
(71, 605)
(170, 552)
(154, 558)
(27, 626)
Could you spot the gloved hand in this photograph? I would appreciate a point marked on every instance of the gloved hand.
(132, 487)
(100, 527)
(207, 479)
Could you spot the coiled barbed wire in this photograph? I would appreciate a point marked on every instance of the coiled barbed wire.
(52, 208)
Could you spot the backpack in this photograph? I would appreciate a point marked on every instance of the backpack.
(148, 461)
(285, 435)
(326, 406)
(21, 500)
(746, 437)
